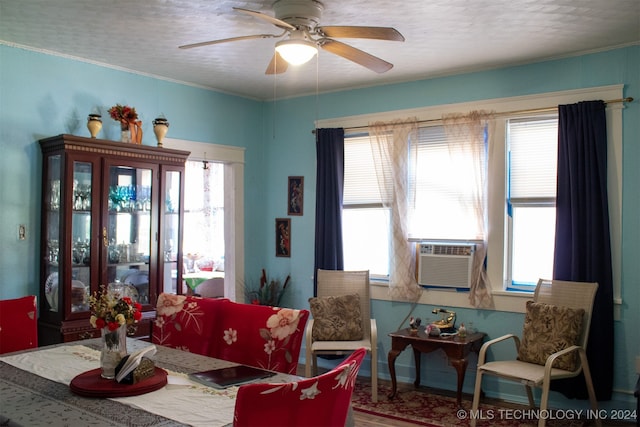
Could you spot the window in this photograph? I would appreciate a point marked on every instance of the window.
(532, 146)
(365, 222)
(442, 183)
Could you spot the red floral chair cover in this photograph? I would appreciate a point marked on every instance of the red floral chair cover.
(186, 322)
(18, 324)
(318, 401)
(256, 335)
(263, 336)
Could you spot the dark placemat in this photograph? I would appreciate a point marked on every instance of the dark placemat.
(91, 384)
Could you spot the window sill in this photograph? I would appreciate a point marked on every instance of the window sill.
(512, 301)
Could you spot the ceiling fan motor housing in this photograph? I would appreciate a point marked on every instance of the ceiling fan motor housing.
(299, 13)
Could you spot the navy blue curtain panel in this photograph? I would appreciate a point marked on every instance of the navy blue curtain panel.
(583, 247)
(329, 191)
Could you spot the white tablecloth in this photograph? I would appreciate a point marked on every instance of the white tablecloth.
(181, 400)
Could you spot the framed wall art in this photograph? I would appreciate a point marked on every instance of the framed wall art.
(283, 237)
(295, 198)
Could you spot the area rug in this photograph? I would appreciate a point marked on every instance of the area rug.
(423, 407)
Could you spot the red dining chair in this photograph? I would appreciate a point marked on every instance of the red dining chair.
(262, 336)
(186, 322)
(323, 400)
(18, 324)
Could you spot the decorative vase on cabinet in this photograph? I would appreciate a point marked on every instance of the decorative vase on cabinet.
(94, 124)
(82, 229)
(160, 128)
(125, 133)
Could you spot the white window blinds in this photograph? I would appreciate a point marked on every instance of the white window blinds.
(360, 182)
(532, 169)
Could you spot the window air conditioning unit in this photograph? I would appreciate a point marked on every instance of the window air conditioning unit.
(445, 264)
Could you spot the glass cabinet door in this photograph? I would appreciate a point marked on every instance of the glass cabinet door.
(127, 232)
(51, 228)
(171, 232)
(81, 222)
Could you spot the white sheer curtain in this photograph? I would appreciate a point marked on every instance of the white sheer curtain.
(390, 146)
(204, 212)
(466, 141)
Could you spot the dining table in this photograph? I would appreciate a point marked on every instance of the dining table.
(35, 389)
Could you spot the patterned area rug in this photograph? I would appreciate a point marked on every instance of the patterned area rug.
(425, 408)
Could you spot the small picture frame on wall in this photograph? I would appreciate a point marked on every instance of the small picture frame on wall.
(283, 237)
(295, 195)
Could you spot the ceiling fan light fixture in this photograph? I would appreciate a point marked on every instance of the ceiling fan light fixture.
(296, 51)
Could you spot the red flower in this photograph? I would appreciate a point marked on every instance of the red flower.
(110, 310)
(113, 326)
(123, 113)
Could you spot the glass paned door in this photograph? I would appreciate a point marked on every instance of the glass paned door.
(128, 231)
(53, 202)
(81, 236)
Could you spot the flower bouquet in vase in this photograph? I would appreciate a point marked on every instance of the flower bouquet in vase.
(111, 314)
(130, 126)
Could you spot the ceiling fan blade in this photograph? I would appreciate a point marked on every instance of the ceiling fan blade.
(275, 21)
(380, 33)
(356, 55)
(232, 39)
(277, 65)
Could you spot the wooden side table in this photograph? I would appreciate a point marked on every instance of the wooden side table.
(457, 349)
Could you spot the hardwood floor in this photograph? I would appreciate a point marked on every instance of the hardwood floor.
(366, 420)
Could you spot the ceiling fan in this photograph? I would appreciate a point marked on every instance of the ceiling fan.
(299, 19)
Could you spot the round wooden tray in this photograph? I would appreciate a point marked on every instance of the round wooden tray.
(91, 384)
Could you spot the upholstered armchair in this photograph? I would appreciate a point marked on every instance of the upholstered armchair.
(553, 344)
(342, 320)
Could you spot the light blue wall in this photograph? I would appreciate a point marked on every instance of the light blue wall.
(41, 95)
(292, 152)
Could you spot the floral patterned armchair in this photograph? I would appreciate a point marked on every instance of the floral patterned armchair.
(256, 335)
(323, 400)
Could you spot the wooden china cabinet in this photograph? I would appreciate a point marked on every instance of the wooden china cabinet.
(111, 215)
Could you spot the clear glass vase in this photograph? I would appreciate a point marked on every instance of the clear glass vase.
(125, 132)
(114, 348)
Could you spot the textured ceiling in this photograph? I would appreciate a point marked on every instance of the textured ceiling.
(442, 37)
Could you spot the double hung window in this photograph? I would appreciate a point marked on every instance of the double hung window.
(532, 146)
(365, 222)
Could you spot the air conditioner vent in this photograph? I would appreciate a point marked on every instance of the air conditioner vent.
(445, 264)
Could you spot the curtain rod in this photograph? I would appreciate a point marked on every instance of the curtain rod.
(506, 113)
